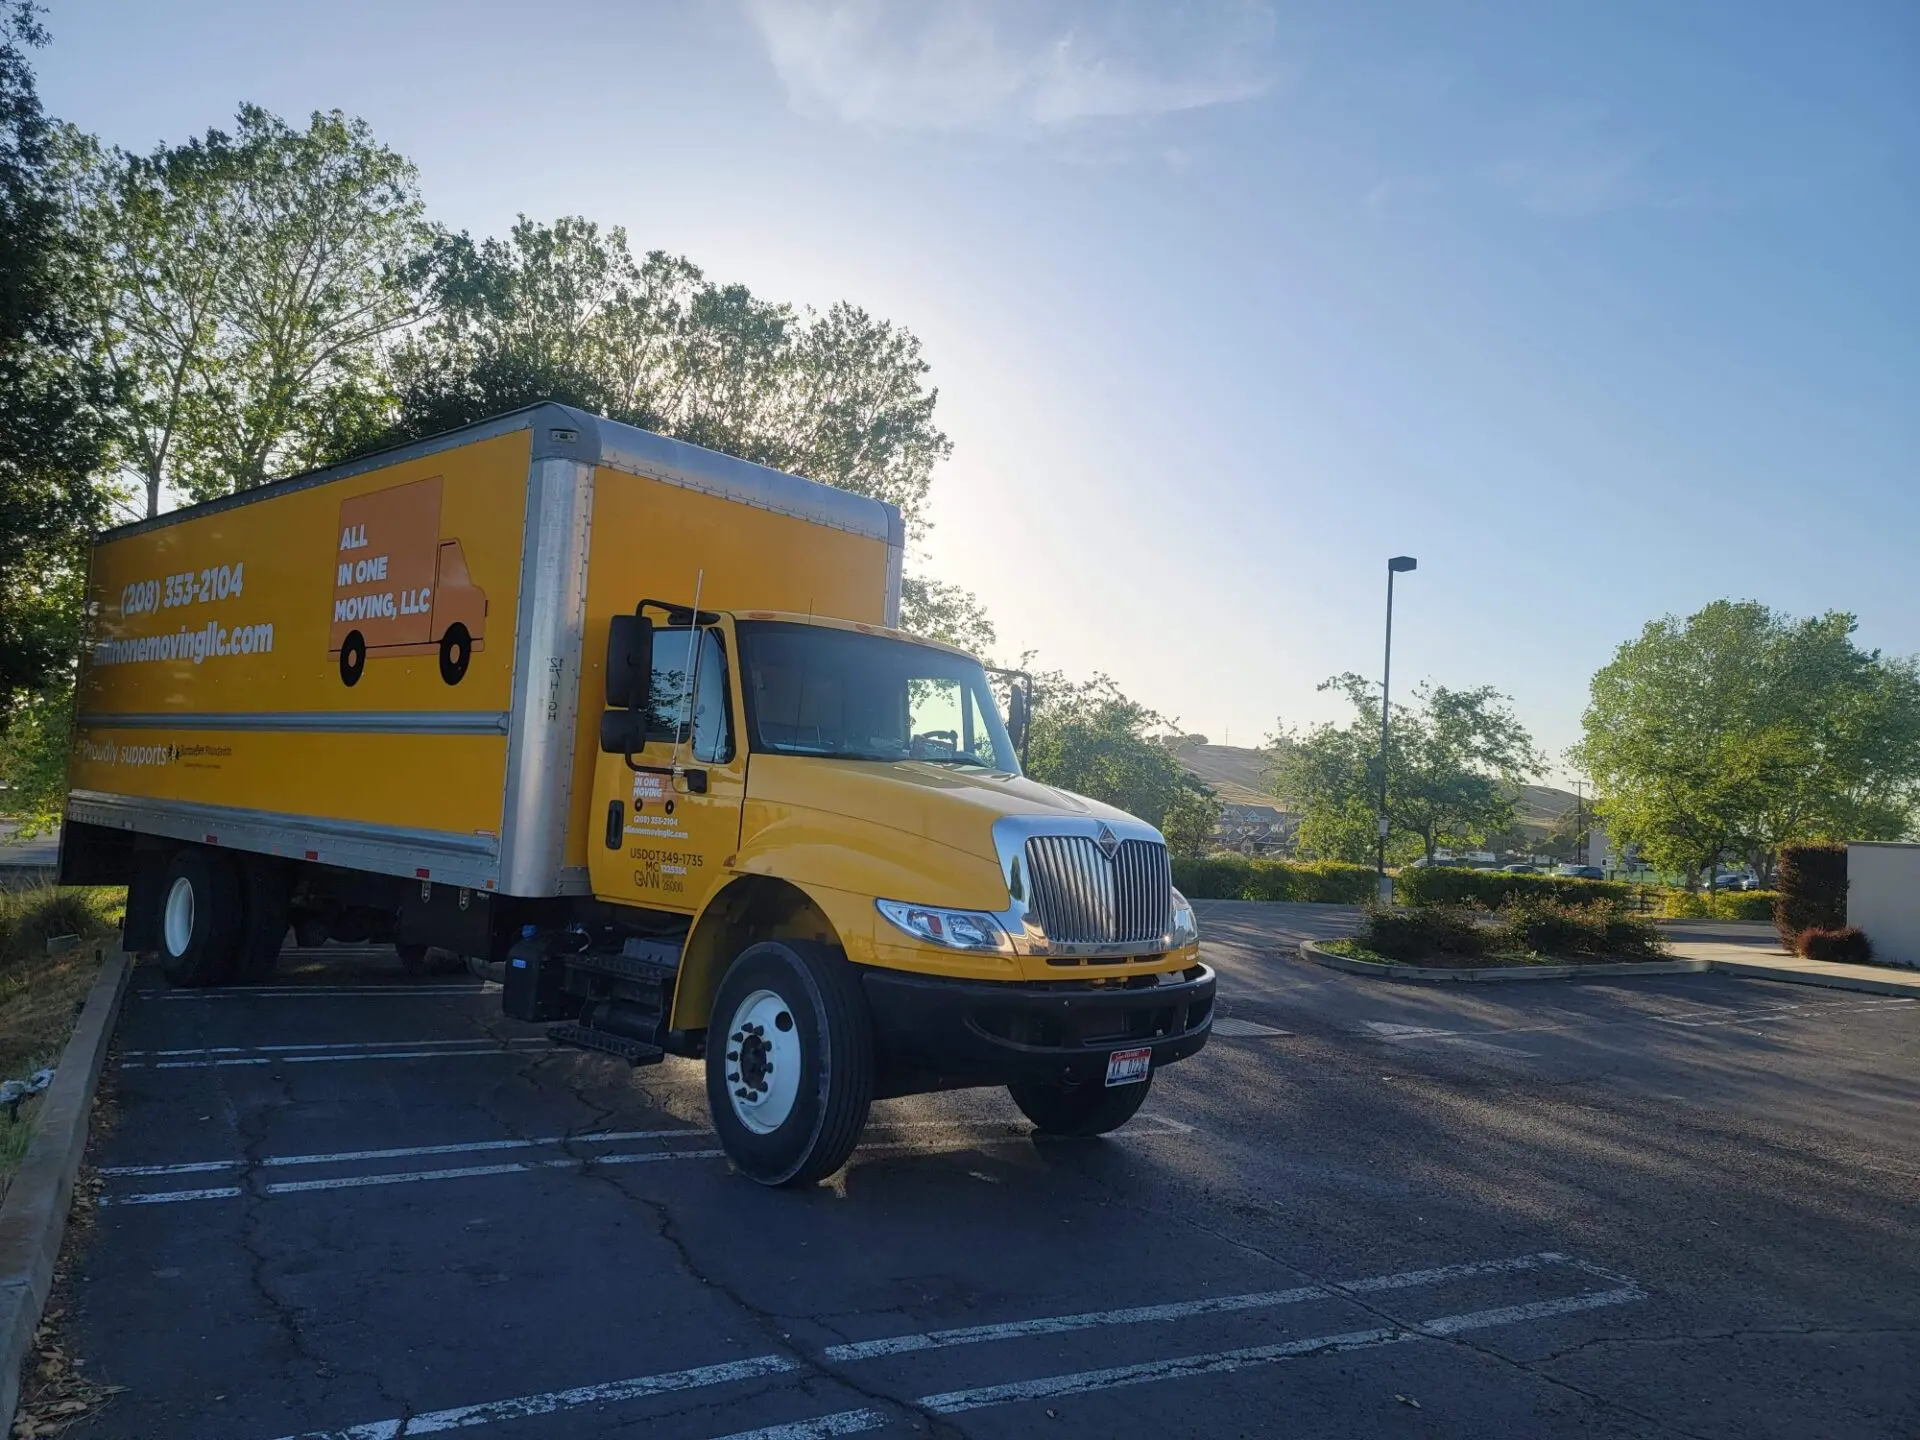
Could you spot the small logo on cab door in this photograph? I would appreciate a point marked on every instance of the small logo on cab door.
(1108, 842)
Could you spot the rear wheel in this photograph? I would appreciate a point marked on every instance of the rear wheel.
(789, 1062)
(200, 918)
(456, 649)
(266, 898)
(1057, 1108)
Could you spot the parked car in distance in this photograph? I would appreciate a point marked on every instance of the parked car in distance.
(1737, 880)
(1520, 869)
(1581, 872)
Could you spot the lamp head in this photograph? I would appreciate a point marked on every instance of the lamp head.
(1403, 563)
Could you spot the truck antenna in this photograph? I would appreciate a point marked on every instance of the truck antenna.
(684, 733)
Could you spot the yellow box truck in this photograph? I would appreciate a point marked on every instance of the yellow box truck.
(633, 718)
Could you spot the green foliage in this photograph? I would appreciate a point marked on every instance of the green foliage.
(1442, 932)
(1452, 759)
(29, 918)
(1234, 877)
(565, 312)
(945, 612)
(240, 289)
(1451, 885)
(1190, 819)
(1598, 928)
(1090, 738)
(1812, 891)
(1847, 945)
(33, 757)
(49, 395)
(1739, 730)
(1754, 905)
(1464, 933)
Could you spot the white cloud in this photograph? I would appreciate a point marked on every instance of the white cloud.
(1010, 67)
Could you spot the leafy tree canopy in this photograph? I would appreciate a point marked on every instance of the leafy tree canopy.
(1090, 738)
(1740, 729)
(1452, 760)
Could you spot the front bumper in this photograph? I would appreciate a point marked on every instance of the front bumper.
(939, 1034)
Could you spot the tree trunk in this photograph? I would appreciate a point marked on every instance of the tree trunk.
(153, 494)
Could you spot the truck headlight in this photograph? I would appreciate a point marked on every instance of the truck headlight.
(955, 929)
(1186, 929)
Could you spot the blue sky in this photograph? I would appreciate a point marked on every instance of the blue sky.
(1602, 311)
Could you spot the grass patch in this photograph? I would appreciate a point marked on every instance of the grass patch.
(41, 994)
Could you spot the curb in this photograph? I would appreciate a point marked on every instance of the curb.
(1466, 974)
(33, 1219)
(1862, 983)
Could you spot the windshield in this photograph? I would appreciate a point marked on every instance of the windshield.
(816, 691)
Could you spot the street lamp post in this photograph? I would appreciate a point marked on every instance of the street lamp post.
(1397, 565)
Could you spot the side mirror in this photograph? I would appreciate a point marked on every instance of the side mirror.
(622, 731)
(629, 662)
(1017, 715)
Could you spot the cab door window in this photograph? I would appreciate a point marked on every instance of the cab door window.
(689, 694)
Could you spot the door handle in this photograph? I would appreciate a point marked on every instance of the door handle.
(616, 823)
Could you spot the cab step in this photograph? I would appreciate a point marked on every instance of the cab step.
(646, 969)
(585, 1037)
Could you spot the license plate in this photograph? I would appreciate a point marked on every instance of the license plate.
(1128, 1067)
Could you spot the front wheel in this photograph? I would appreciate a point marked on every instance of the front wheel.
(456, 649)
(1057, 1108)
(789, 1062)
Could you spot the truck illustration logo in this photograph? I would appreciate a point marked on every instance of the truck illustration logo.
(399, 588)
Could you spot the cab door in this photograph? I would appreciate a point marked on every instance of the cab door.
(670, 821)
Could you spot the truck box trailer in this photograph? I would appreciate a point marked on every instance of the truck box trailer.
(635, 719)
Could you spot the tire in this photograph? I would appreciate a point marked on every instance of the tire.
(1078, 1110)
(353, 658)
(413, 960)
(200, 918)
(266, 897)
(456, 649)
(808, 1117)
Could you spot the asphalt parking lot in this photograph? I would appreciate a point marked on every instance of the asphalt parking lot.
(359, 1205)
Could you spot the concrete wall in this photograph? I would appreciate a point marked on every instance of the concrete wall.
(1883, 898)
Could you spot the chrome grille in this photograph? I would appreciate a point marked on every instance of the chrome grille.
(1082, 898)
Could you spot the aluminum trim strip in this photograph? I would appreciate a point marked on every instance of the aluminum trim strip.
(444, 857)
(369, 722)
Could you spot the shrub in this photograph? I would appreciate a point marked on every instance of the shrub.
(1234, 877)
(1446, 885)
(1812, 893)
(1597, 928)
(1422, 932)
(1721, 905)
(1847, 945)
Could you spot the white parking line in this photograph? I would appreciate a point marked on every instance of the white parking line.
(331, 1045)
(951, 1402)
(1186, 1309)
(1145, 1126)
(525, 1407)
(473, 1047)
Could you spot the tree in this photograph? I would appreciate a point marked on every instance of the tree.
(565, 312)
(1091, 739)
(240, 290)
(1740, 729)
(1452, 760)
(50, 439)
(946, 612)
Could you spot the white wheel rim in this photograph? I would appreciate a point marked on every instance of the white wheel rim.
(178, 921)
(763, 1062)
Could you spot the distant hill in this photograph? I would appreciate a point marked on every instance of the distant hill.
(1240, 776)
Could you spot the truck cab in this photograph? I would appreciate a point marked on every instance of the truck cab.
(854, 892)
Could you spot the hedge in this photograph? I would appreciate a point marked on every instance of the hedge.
(1234, 877)
(1556, 929)
(1448, 885)
(1721, 905)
